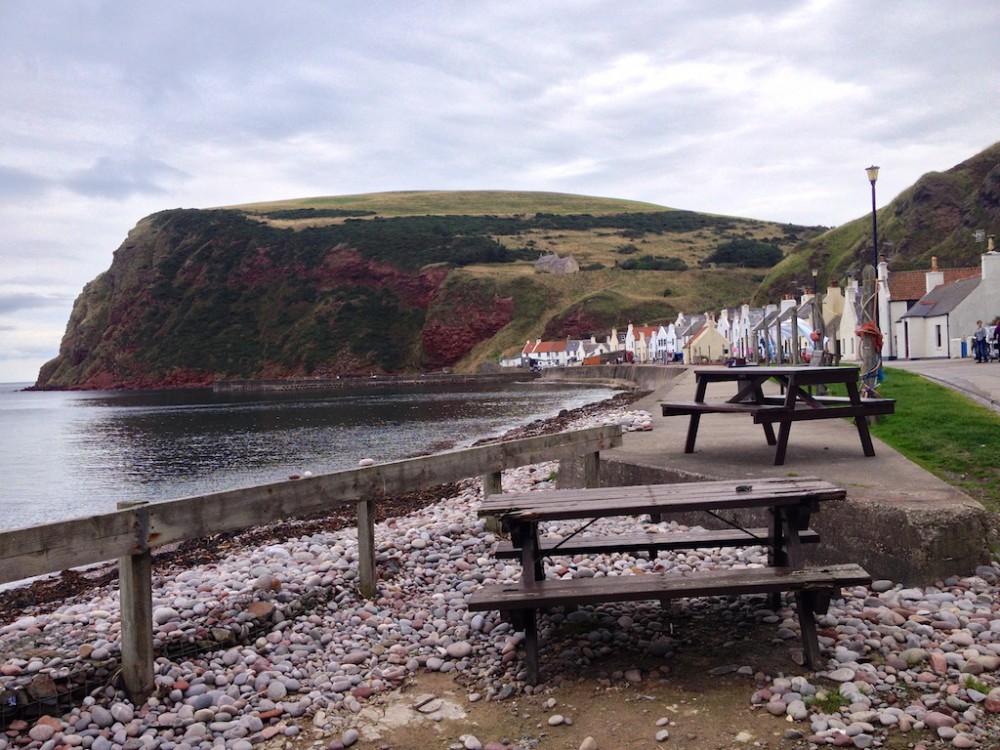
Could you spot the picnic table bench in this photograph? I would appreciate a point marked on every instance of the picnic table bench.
(790, 501)
(795, 404)
(650, 542)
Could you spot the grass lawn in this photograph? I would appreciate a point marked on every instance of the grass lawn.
(945, 432)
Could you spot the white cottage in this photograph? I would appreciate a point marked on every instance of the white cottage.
(940, 320)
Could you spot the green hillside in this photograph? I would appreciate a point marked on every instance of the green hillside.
(393, 282)
(458, 202)
(936, 217)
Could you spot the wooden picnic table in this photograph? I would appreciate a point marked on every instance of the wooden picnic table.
(795, 403)
(790, 502)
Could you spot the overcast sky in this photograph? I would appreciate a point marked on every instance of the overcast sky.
(110, 111)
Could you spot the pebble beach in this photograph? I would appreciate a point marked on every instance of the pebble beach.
(271, 645)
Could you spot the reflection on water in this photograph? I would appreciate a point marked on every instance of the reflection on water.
(72, 454)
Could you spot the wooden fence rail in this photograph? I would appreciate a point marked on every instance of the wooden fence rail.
(135, 529)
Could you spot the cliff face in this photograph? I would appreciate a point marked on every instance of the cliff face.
(193, 296)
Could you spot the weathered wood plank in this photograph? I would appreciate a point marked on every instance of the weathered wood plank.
(802, 412)
(663, 498)
(367, 575)
(645, 540)
(47, 548)
(812, 586)
(684, 408)
(135, 585)
(726, 582)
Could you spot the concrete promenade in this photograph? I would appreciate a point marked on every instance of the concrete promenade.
(900, 521)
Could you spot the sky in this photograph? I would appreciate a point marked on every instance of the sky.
(111, 111)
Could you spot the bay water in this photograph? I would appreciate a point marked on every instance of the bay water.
(65, 454)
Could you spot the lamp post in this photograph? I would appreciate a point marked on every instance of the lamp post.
(869, 352)
(872, 176)
(817, 321)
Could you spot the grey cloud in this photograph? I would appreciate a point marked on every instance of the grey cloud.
(11, 302)
(20, 184)
(110, 177)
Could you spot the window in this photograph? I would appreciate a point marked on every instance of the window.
(937, 335)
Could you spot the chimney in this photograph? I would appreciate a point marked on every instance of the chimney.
(934, 277)
(991, 265)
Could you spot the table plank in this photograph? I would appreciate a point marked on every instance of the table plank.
(663, 498)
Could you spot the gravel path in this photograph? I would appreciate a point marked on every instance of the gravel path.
(264, 631)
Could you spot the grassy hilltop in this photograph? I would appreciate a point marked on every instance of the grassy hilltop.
(392, 282)
(603, 294)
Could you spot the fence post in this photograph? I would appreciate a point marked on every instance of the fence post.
(492, 485)
(367, 574)
(135, 590)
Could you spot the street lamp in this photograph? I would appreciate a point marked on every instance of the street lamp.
(872, 176)
(817, 321)
(870, 351)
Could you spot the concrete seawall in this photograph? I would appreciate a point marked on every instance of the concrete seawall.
(377, 381)
(644, 377)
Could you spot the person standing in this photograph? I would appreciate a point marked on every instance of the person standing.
(980, 342)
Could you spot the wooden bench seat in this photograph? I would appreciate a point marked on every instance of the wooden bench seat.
(813, 588)
(684, 408)
(877, 404)
(835, 406)
(650, 542)
(772, 408)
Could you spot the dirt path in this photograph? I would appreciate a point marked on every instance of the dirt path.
(701, 697)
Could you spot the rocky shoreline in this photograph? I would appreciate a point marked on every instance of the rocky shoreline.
(263, 639)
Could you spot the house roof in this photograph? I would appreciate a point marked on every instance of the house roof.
(693, 325)
(912, 285)
(545, 347)
(942, 299)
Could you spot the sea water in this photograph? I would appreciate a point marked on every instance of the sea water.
(70, 454)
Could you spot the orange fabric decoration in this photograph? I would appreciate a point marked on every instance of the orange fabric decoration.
(870, 329)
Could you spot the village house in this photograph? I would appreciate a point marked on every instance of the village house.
(945, 317)
(547, 353)
(706, 345)
(641, 342)
(850, 321)
(904, 290)
(832, 311)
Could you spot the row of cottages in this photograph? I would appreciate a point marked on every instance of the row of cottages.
(922, 314)
(565, 353)
(688, 339)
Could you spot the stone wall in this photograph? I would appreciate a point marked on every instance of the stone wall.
(645, 377)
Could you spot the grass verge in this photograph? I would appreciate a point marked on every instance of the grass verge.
(949, 434)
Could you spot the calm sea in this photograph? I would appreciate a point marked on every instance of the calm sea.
(69, 454)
